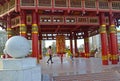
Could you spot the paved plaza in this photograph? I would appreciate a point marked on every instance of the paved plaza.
(76, 67)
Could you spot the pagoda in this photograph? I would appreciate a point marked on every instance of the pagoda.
(39, 20)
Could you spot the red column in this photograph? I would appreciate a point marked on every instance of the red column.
(109, 45)
(23, 28)
(103, 34)
(75, 43)
(71, 44)
(86, 43)
(113, 38)
(40, 49)
(9, 30)
(35, 48)
(40, 46)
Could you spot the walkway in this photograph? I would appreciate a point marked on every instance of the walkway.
(76, 67)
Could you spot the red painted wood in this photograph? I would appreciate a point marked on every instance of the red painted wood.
(35, 48)
(86, 44)
(23, 21)
(83, 6)
(9, 26)
(17, 6)
(35, 45)
(113, 38)
(52, 5)
(113, 47)
(36, 9)
(104, 48)
(71, 43)
(103, 40)
(40, 49)
(75, 44)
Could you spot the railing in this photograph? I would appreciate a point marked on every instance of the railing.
(86, 4)
(67, 20)
(15, 21)
(45, 3)
(58, 19)
(45, 19)
(5, 7)
(103, 4)
(90, 4)
(72, 20)
(116, 5)
(82, 20)
(60, 3)
(28, 2)
(94, 20)
(76, 4)
(1, 10)
(11, 4)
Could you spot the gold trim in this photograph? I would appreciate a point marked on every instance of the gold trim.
(35, 32)
(112, 29)
(23, 32)
(34, 24)
(34, 28)
(9, 35)
(103, 25)
(23, 25)
(105, 57)
(114, 57)
(23, 28)
(87, 55)
(112, 25)
(103, 29)
(9, 29)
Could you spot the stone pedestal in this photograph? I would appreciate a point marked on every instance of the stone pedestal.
(25, 69)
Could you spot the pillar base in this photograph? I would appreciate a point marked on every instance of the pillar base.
(105, 62)
(40, 56)
(17, 64)
(114, 62)
(24, 69)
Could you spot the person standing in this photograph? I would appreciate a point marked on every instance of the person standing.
(69, 54)
(49, 51)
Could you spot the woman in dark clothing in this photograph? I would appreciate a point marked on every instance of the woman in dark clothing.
(49, 51)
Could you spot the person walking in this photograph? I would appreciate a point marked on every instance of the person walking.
(69, 54)
(49, 51)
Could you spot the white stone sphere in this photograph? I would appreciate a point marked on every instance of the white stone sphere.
(17, 47)
(4, 51)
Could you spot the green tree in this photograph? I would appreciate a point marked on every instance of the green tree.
(54, 47)
(3, 39)
(81, 48)
(44, 50)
